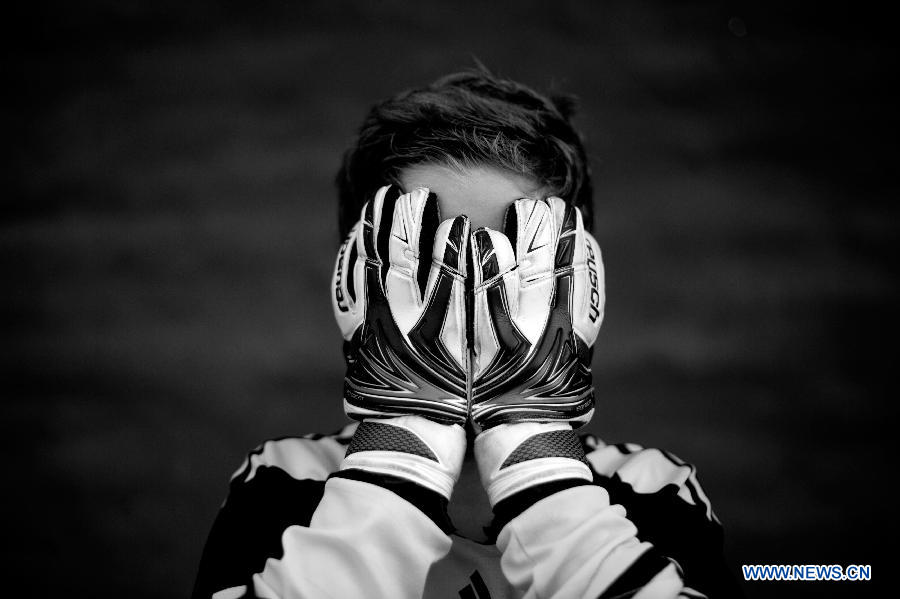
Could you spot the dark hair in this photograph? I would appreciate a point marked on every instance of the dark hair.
(467, 119)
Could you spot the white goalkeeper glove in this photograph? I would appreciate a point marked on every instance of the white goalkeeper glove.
(538, 306)
(399, 299)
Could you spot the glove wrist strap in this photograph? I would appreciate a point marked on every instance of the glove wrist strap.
(516, 457)
(409, 447)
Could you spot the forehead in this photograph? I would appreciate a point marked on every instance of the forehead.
(482, 193)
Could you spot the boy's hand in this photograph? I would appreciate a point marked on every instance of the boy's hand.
(399, 301)
(538, 306)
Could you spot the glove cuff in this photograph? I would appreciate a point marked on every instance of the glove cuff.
(409, 447)
(516, 457)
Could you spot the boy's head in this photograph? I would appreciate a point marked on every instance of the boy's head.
(462, 133)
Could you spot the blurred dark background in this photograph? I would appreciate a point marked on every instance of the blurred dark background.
(169, 220)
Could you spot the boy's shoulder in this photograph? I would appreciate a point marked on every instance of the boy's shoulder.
(308, 457)
(630, 470)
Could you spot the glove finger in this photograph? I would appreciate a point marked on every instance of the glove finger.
(372, 222)
(428, 246)
(383, 219)
(450, 245)
(580, 293)
(441, 329)
(496, 293)
(368, 274)
(415, 223)
(365, 240)
(569, 227)
(589, 291)
(493, 256)
(567, 219)
(343, 298)
(531, 226)
(403, 248)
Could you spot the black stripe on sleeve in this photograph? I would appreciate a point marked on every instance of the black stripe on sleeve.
(514, 505)
(639, 573)
(431, 503)
(678, 530)
(247, 530)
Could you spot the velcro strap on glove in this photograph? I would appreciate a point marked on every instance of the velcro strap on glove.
(516, 457)
(409, 447)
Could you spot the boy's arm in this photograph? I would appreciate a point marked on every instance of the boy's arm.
(363, 541)
(574, 543)
(665, 500)
(374, 534)
(644, 523)
(285, 531)
(538, 308)
(560, 535)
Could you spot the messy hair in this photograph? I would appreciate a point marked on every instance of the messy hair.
(467, 119)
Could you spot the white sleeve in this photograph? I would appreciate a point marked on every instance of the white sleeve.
(363, 541)
(574, 543)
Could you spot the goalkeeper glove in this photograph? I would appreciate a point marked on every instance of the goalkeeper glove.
(538, 305)
(399, 301)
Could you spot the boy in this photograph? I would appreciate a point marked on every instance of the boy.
(469, 293)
